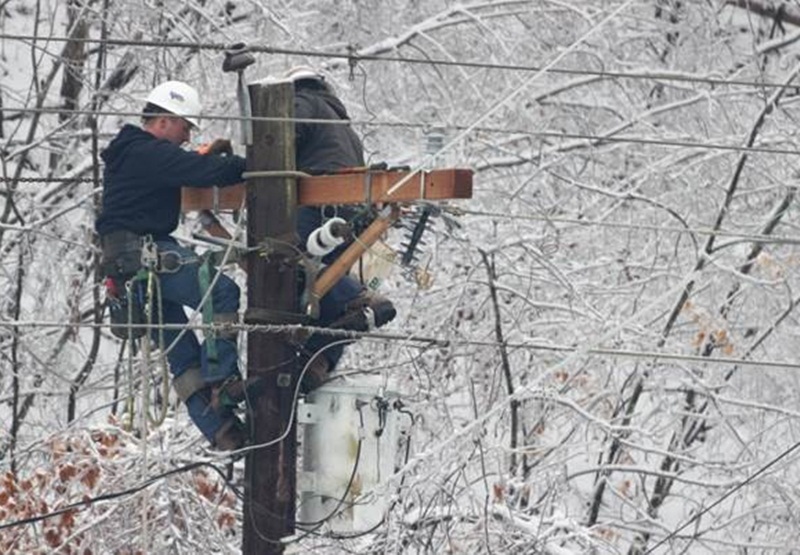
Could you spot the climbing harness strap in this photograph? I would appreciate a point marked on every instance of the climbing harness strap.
(204, 273)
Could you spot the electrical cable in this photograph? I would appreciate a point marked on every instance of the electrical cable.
(428, 340)
(755, 238)
(410, 415)
(185, 468)
(342, 501)
(463, 129)
(727, 494)
(789, 152)
(354, 57)
(108, 496)
(749, 237)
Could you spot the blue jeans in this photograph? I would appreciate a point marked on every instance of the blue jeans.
(182, 289)
(332, 305)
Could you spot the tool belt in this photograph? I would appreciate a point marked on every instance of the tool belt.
(125, 253)
(122, 254)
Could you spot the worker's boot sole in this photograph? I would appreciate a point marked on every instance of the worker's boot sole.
(315, 373)
(366, 312)
(231, 435)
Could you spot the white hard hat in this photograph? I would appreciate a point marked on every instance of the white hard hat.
(302, 72)
(296, 73)
(177, 98)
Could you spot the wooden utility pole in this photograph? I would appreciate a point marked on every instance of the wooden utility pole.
(272, 200)
(270, 471)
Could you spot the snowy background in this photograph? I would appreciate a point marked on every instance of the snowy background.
(605, 360)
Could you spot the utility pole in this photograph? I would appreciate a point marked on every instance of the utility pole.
(270, 471)
(272, 200)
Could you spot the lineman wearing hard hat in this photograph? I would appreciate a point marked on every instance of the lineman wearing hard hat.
(145, 169)
(323, 148)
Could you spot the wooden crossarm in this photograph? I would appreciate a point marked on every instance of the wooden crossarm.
(348, 188)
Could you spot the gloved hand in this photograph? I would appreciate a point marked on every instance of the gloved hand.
(218, 146)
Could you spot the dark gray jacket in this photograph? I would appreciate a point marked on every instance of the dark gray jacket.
(322, 148)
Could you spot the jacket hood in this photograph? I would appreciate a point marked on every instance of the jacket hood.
(112, 155)
(322, 92)
(334, 102)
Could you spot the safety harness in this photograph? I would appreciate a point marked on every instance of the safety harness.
(132, 264)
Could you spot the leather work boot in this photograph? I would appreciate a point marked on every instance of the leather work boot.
(366, 312)
(315, 375)
(231, 436)
(235, 390)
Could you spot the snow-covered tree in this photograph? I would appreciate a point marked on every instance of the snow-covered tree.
(599, 348)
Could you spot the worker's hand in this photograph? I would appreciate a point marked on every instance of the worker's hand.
(218, 146)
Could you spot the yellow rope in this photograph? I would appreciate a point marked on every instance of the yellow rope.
(153, 299)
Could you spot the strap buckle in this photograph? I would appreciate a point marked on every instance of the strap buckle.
(149, 256)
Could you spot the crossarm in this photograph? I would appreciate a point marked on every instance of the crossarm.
(348, 188)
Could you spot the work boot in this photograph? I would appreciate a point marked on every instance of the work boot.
(235, 390)
(231, 435)
(315, 375)
(366, 312)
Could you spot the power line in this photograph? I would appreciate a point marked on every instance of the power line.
(619, 139)
(749, 237)
(416, 125)
(727, 494)
(754, 238)
(108, 496)
(436, 341)
(44, 179)
(353, 57)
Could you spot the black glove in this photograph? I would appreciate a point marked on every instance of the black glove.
(219, 146)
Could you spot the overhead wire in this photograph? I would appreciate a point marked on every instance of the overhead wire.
(355, 57)
(88, 501)
(639, 140)
(541, 71)
(463, 130)
(562, 135)
(33, 227)
(429, 340)
(694, 518)
(750, 237)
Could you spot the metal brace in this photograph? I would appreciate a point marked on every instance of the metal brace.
(237, 58)
(149, 257)
(308, 413)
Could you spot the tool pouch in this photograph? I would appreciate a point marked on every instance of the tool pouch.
(122, 259)
(122, 254)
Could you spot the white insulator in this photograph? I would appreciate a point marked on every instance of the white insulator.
(322, 240)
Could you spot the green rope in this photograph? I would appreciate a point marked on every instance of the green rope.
(204, 279)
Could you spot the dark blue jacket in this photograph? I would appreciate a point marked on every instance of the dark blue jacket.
(143, 177)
